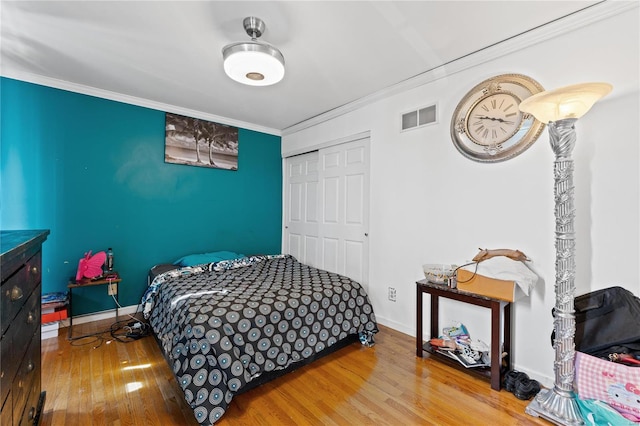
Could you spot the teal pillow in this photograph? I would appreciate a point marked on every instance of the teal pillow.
(199, 259)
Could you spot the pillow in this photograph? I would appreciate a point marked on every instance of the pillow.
(199, 259)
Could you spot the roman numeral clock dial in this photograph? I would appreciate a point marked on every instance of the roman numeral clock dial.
(488, 126)
(494, 119)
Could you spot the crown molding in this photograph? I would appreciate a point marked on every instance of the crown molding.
(351, 138)
(589, 15)
(132, 100)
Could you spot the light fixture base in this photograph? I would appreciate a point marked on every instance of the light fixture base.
(254, 26)
(556, 408)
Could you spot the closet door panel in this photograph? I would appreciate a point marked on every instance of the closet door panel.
(301, 208)
(327, 209)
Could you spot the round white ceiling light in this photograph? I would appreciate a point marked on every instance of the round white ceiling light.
(253, 62)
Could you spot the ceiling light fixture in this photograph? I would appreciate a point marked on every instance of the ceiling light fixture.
(253, 62)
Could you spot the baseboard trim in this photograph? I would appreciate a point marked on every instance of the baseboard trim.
(102, 315)
(396, 326)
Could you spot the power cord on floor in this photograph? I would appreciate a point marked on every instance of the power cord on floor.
(96, 338)
(120, 307)
(131, 329)
(124, 331)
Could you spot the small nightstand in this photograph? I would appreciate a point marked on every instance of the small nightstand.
(102, 281)
(500, 327)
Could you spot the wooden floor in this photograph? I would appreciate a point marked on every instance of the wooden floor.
(106, 382)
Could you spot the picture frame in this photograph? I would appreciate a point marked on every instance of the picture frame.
(196, 142)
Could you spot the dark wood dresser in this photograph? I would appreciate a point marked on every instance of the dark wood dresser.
(21, 398)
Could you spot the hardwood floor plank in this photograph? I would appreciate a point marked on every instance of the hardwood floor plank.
(96, 378)
(107, 382)
(57, 395)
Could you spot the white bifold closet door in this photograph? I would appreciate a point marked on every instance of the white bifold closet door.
(301, 208)
(327, 209)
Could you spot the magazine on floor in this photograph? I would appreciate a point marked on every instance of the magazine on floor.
(465, 359)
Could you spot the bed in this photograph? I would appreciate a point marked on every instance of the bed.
(230, 325)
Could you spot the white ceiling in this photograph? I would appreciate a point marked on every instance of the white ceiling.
(169, 52)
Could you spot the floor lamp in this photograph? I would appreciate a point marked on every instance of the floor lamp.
(560, 109)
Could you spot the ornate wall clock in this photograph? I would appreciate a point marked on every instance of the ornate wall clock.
(487, 125)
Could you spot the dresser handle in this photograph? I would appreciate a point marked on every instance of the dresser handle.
(31, 318)
(32, 413)
(30, 366)
(34, 270)
(16, 293)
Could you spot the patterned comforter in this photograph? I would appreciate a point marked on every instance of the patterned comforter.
(222, 325)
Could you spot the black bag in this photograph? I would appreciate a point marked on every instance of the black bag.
(607, 321)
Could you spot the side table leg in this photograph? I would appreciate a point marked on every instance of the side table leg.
(70, 332)
(435, 315)
(507, 335)
(495, 346)
(117, 301)
(418, 321)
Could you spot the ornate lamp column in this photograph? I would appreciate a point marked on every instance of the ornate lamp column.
(561, 108)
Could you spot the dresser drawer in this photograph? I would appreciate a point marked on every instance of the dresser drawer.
(25, 324)
(31, 408)
(9, 364)
(27, 377)
(14, 342)
(17, 288)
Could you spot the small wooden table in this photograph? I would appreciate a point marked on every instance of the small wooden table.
(73, 284)
(498, 326)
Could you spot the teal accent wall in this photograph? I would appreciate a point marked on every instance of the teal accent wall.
(93, 172)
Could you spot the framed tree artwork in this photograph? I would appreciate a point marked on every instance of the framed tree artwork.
(202, 143)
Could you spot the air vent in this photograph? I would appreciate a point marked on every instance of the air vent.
(418, 118)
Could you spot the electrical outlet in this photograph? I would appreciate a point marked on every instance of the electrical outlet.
(392, 294)
(112, 289)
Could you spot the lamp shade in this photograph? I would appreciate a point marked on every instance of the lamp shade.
(253, 63)
(566, 102)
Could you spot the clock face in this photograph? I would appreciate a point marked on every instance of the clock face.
(488, 126)
(494, 119)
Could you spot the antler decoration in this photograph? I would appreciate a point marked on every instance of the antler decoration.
(485, 254)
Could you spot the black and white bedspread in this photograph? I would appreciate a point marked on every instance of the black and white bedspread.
(224, 324)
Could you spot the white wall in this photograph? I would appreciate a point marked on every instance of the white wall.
(429, 204)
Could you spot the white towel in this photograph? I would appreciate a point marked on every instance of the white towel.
(503, 268)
